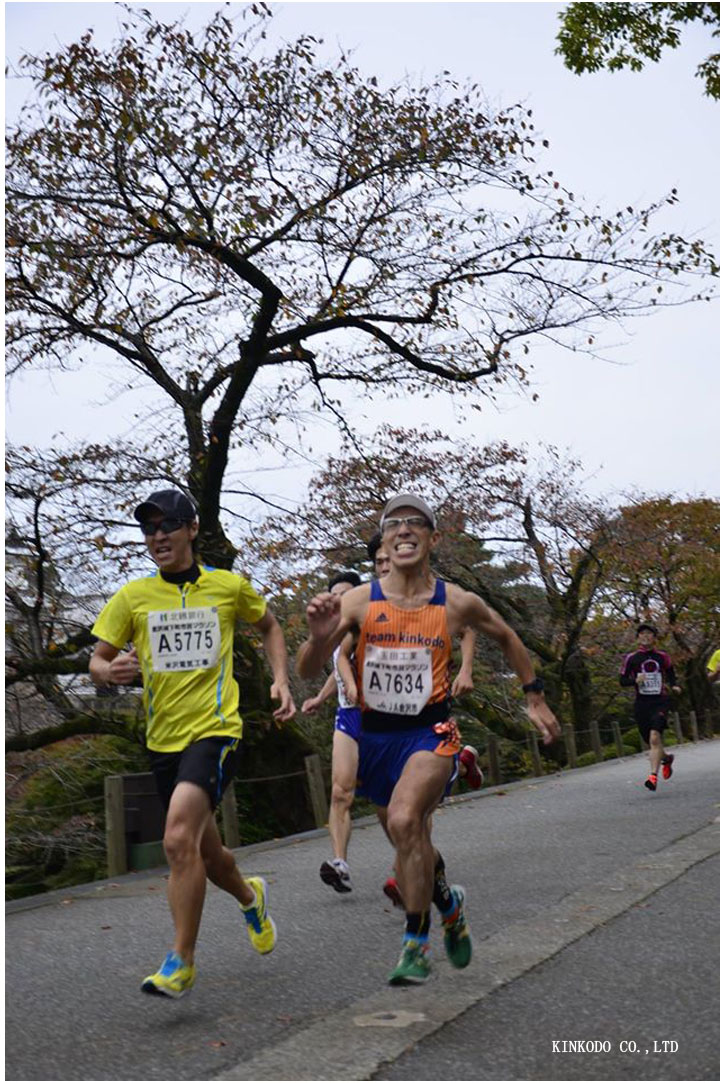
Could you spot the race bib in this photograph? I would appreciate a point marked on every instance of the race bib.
(652, 684)
(184, 639)
(397, 681)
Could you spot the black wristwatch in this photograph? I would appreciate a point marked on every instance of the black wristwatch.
(537, 685)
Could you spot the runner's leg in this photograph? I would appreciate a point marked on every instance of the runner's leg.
(221, 868)
(186, 822)
(415, 796)
(656, 750)
(344, 776)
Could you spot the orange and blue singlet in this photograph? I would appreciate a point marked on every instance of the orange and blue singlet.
(403, 663)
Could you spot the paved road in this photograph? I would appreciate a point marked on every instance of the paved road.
(593, 905)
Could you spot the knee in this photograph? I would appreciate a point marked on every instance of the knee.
(403, 826)
(179, 843)
(341, 795)
(655, 739)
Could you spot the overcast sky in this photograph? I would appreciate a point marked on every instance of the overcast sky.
(648, 419)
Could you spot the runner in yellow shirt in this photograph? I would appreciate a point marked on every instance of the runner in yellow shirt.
(180, 620)
(713, 667)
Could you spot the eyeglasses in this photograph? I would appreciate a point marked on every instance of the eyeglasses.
(417, 522)
(166, 526)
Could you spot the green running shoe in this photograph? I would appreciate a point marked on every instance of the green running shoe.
(174, 979)
(413, 966)
(456, 934)
(260, 926)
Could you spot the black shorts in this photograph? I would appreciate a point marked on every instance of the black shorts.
(210, 763)
(650, 716)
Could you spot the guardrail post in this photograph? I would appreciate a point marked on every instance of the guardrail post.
(535, 755)
(494, 768)
(570, 742)
(115, 825)
(693, 726)
(616, 730)
(316, 784)
(596, 740)
(230, 818)
(677, 726)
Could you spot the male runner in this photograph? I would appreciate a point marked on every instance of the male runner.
(181, 622)
(468, 756)
(647, 669)
(409, 744)
(345, 739)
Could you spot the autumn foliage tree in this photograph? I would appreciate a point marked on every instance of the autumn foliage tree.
(662, 564)
(519, 533)
(250, 230)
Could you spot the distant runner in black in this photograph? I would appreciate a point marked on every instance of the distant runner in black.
(647, 669)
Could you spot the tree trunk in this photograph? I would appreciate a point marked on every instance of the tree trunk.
(579, 684)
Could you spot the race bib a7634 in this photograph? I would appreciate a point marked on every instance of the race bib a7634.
(397, 681)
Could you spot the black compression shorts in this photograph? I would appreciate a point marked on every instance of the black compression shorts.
(650, 716)
(210, 763)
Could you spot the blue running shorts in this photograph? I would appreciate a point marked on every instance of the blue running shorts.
(384, 755)
(349, 720)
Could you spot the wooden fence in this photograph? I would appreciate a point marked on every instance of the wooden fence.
(134, 815)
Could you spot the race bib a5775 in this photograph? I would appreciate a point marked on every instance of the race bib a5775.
(184, 639)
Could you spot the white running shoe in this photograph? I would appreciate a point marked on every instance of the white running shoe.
(337, 874)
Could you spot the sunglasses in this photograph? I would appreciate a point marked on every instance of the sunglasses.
(166, 526)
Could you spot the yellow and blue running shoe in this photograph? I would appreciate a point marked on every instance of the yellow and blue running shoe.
(174, 979)
(260, 926)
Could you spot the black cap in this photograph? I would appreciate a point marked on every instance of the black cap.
(168, 502)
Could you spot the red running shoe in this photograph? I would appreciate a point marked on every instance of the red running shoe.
(667, 765)
(651, 782)
(474, 775)
(391, 889)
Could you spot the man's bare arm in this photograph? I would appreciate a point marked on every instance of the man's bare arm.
(276, 651)
(315, 702)
(109, 665)
(329, 617)
(344, 668)
(475, 614)
(464, 678)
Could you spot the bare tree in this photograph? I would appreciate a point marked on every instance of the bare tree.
(249, 230)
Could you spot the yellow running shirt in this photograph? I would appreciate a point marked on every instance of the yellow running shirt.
(183, 635)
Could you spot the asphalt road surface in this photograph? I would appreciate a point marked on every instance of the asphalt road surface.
(593, 905)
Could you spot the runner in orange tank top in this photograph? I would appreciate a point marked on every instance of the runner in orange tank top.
(409, 744)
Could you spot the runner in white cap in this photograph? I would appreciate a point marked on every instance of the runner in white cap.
(409, 743)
